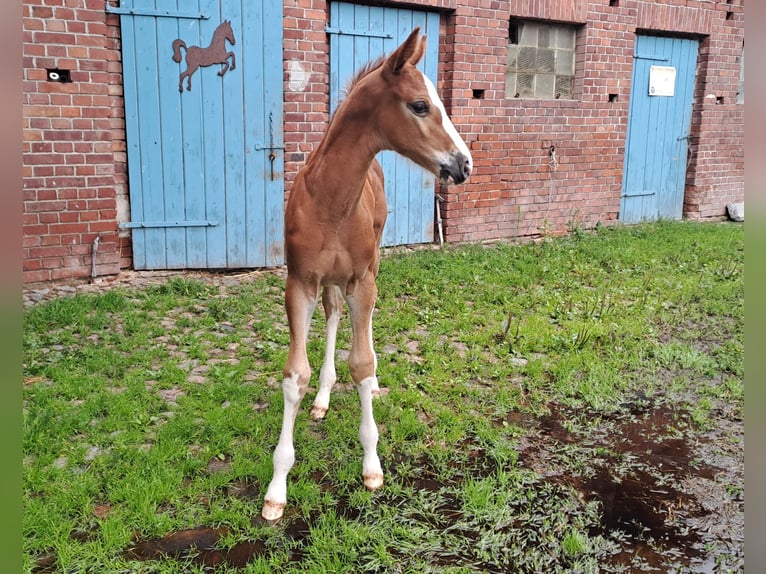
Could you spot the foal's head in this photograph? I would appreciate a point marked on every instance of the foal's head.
(411, 118)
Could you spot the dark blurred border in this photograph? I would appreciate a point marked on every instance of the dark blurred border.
(10, 282)
(755, 287)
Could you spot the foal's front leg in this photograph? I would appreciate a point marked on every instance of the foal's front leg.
(300, 306)
(362, 364)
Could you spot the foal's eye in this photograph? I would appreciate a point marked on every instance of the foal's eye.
(419, 108)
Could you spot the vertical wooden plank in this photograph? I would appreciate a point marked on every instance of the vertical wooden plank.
(274, 190)
(685, 90)
(335, 80)
(668, 129)
(667, 165)
(388, 159)
(345, 46)
(151, 136)
(376, 24)
(171, 144)
(416, 176)
(192, 135)
(401, 181)
(233, 141)
(213, 146)
(653, 142)
(361, 52)
(635, 205)
(252, 40)
(422, 229)
(133, 133)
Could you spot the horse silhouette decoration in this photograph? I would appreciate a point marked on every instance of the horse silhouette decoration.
(215, 53)
(333, 225)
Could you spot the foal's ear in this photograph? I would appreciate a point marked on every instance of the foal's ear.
(410, 51)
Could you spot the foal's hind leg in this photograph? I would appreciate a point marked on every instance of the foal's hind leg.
(300, 306)
(362, 363)
(332, 300)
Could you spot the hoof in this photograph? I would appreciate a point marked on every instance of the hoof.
(273, 510)
(373, 481)
(318, 413)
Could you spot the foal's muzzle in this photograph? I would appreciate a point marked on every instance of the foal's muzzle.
(458, 169)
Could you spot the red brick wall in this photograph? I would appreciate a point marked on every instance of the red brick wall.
(717, 153)
(74, 137)
(69, 184)
(513, 191)
(307, 65)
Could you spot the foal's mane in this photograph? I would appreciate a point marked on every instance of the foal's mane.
(366, 69)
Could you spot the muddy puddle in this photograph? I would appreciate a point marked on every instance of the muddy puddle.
(670, 498)
(668, 507)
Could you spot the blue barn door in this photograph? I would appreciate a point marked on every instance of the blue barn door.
(359, 34)
(658, 128)
(205, 165)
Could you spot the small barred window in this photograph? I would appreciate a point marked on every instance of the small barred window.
(541, 60)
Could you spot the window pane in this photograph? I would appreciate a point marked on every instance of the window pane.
(543, 36)
(563, 87)
(528, 36)
(525, 85)
(545, 60)
(510, 85)
(565, 62)
(527, 59)
(544, 85)
(513, 55)
(565, 37)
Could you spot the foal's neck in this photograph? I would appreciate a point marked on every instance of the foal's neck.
(341, 162)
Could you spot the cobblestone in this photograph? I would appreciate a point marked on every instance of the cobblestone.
(36, 293)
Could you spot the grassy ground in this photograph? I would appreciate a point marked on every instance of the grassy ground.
(155, 411)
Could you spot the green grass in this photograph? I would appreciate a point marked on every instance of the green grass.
(156, 410)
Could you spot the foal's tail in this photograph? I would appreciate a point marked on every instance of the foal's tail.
(177, 45)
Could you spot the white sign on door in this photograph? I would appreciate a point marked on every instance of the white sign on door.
(662, 80)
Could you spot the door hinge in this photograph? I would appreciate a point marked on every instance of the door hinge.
(126, 11)
(645, 194)
(156, 224)
(351, 32)
(655, 58)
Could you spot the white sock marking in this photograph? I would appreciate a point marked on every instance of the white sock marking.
(368, 431)
(284, 454)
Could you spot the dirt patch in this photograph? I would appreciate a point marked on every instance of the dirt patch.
(672, 497)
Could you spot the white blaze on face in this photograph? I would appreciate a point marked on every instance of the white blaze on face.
(446, 122)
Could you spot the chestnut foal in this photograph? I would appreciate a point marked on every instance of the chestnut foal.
(333, 224)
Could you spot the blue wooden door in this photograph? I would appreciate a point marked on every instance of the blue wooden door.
(205, 164)
(658, 128)
(359, 34)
